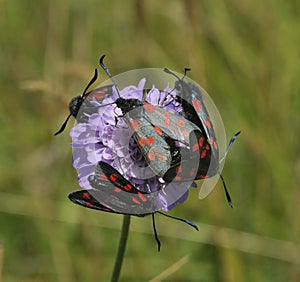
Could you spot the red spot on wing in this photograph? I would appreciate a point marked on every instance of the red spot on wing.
(179, 169)
(167, 122)
(100, 94)
(88, 204)
(213, 142)
(113, 177)
(215, 145)
(167, 114)
(184, 133)
(151, 156)
(207, 124)
(197, 105)
(157, 130)
(117, 190)
(201, 176)
(136, 201)
(201, 140)
(86, 195)
(181, 123)
(102, 177)
(142, 197)
(134, 124)
(150, 140)
(178, 178)
(203, 154)
(192, 171)
(195, 147)
(128, 187)
(142, 142)
(149, 108)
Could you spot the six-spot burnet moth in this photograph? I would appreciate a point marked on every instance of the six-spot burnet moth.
(113, 193)
(195, 110)
(157, 132)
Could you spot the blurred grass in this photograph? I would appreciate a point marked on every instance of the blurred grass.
(244, 53)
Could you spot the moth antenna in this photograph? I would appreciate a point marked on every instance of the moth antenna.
(185, 70)
(172, 73)
(232, 139)
(105, 68)
(155, 232)
(94, 78)
(63, 126)
(180, 219)
(226, 192)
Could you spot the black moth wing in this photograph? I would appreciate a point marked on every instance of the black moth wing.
(81, 107)
(157, 148)
(84, 198)
(186, 92)
(186, 167)
(191, 99)
(195, 162)
(115, 192)
(156, 131)
(195, 110)
(169, 121)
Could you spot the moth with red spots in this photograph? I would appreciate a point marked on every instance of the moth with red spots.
(84, 100)
(156, 131)
(205, 143)
(113, 193)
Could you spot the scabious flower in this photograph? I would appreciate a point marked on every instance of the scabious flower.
(106, 137)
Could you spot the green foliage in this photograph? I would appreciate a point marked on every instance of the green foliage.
(244, 53)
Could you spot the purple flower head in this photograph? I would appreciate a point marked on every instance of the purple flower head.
(107, 137)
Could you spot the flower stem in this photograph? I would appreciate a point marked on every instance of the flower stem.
(121, 249)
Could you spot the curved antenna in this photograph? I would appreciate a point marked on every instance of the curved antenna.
(181, 219)
(62, 128)
(105, 68)
(94, 78)
(172, 73)
(185, 70)
(232, 139)
(81, 97)
(173, 217)
(155, 232)
(226, 192)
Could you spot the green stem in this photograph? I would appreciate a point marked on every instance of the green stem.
(121, 249)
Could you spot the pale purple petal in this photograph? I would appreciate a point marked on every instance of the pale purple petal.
(106, 137)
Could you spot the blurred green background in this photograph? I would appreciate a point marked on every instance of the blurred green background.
(245, 53)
